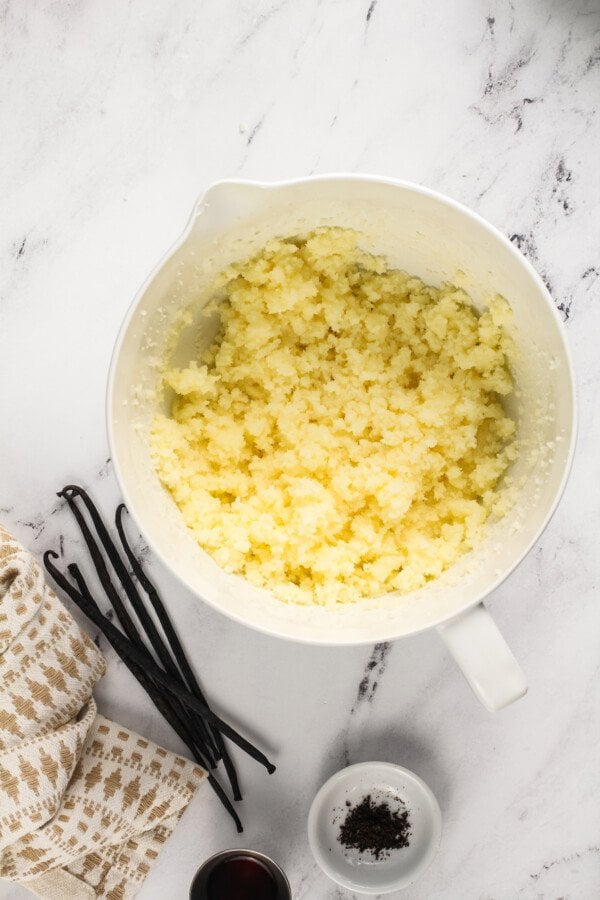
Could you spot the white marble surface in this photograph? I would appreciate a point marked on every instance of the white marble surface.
(114, 116)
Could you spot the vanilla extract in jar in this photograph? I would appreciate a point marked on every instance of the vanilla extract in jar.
(240, 875)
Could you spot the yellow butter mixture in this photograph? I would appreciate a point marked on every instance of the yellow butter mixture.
(345, 435)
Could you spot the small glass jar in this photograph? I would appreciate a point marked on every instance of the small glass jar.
(246, 874)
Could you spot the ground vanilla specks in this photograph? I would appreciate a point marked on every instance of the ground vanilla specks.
(375, 828)
(345, 435)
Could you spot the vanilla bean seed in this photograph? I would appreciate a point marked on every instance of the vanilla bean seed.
(375, 828)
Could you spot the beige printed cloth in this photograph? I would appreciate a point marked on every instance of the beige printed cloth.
(85, 804)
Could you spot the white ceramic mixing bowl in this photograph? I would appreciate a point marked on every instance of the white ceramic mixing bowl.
(428, 235)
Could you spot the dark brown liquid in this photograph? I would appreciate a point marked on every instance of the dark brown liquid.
(241, 878)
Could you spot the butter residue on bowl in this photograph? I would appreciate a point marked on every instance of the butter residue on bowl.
(345, 435)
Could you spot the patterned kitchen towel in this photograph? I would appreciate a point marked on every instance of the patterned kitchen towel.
(85, 804)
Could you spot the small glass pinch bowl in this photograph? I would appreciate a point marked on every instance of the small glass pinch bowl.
(400, 789)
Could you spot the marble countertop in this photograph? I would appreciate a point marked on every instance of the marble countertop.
(115, 116)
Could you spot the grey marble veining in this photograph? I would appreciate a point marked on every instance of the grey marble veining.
(115, 116)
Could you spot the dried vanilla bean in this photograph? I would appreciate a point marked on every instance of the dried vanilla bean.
(69, 493)
(175, 644)
(162, 704)
(170, 683)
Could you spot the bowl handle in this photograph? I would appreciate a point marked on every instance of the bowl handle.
(485, 658)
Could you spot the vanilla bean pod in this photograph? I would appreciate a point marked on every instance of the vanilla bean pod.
(147, 684)
(172, 638)
(69, 492)
(157, 698)
(169, 714)
(179, 724)
(126, 648)
(179, 666)
(122, 613)
(133, 596)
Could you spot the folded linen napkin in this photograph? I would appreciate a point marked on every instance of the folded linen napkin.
(85, 804)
